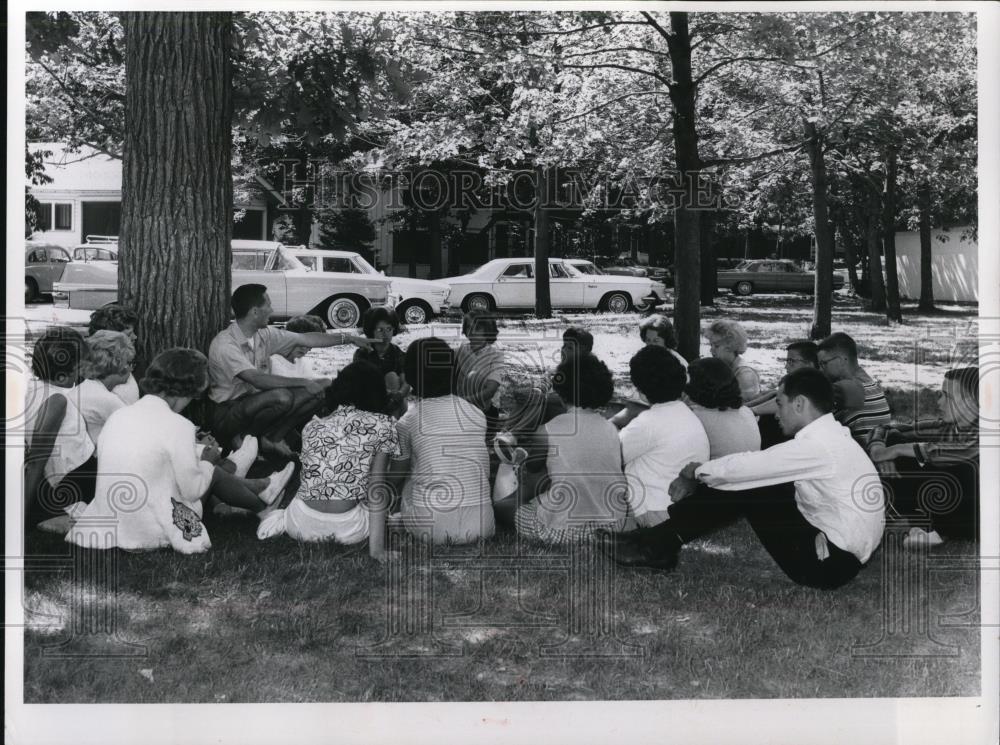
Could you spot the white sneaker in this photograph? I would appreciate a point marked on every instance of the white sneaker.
(276, 483)
(245, 456)
(272, 525)
(919, 535)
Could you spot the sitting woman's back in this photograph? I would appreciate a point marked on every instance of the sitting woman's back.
(714, 396)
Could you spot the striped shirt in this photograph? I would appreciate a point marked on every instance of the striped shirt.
(446, 496)
(936, 443)
(872, 412)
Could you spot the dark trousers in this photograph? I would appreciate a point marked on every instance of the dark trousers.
(774, 517)
(51, 501)
(272, 414)
(946, 498)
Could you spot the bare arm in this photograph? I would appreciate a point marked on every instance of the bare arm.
(323, 339)
(379, 497)
(266, 381)
(47, 424)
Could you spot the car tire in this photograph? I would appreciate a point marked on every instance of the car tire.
(478, 301)
(30, 290)
(743, 288)
(342, 313)
(414, 311)
(616, 302)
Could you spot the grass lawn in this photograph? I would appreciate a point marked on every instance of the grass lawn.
(279, 621)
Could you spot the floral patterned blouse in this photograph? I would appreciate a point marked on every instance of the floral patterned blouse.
(337, 452)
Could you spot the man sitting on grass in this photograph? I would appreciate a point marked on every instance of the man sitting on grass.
(815, 502)
(248, 398)
(798, 354)
(942, 452)
(860, 403)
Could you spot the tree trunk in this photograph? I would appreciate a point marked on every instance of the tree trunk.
(926, 249)
(709, 283)
(177, 189)
(434, 238)
(687, 221)
(543, 297)
(850, 257)
(876, 281)
(823, 286)
(892, 309)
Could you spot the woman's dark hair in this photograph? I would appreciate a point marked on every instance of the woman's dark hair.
(112, 317)
(482, 322)
(374, 316)
(663, 328)
(360, 385)
(178, 371)
(580, 339)
(812, 384)
(967, 379)
(429, 367)
(713, 385)
(306, 324)
(59, 353)
(657, 374)
(584, 381)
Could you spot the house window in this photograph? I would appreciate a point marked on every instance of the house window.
(64, 216)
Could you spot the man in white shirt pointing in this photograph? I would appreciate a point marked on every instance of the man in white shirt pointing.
(815, 502)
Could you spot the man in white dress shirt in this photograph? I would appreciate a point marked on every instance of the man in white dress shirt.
(815, 502)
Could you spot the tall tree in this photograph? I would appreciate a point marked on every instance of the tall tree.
(177, 188)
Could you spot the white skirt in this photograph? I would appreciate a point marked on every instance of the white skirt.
(303, 523)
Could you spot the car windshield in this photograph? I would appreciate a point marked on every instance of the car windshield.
(743, 266)
(574, 271)
(368, 268)
(286, 262)
(585, 268)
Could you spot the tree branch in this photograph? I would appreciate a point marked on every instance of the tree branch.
(650, 21)
(617, 49)
(609, 102)
(734, 60)
(626, 68)
(751, 158)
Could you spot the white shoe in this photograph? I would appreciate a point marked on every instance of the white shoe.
(276, 483)
(919, 535)
(60, 525)
(272, 525)
(245, 456)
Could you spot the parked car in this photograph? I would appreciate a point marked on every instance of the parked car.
(95, 253)
(44, 264)
(339, 300)
(509, 284)
(770, 275)
(415, 300)
(623, 265)
(584, 267)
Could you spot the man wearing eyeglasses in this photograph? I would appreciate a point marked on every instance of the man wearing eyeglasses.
(859, 401)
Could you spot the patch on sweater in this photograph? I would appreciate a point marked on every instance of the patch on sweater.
(186, 520)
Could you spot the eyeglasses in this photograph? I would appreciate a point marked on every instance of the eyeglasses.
(824, 363)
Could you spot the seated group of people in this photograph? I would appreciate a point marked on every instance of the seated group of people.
(417, 438)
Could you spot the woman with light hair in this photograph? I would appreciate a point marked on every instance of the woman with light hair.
(727, 341)
(109, 362)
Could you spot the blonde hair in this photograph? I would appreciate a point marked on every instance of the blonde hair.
(110, 353)
(731, 334)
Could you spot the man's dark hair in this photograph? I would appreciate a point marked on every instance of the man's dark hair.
(112, 317)
(807, 349)
(360, 385)
(481, 321)
(657, 374)
(812, 384)
(968, 380)
(580, 339)
(246, 298)
(583, 381)
(178, 371)
(58, 353)
(374, 316)
(429, 367)
(840, 342)
(713, 385)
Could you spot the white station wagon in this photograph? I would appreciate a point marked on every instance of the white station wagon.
(509, 284)
(416, 300)
(294, 290)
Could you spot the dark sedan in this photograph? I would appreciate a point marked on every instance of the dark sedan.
(770, 275)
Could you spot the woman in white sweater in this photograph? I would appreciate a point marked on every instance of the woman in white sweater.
(150, 479)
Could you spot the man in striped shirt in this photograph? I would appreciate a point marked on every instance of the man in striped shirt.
(859, 402)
